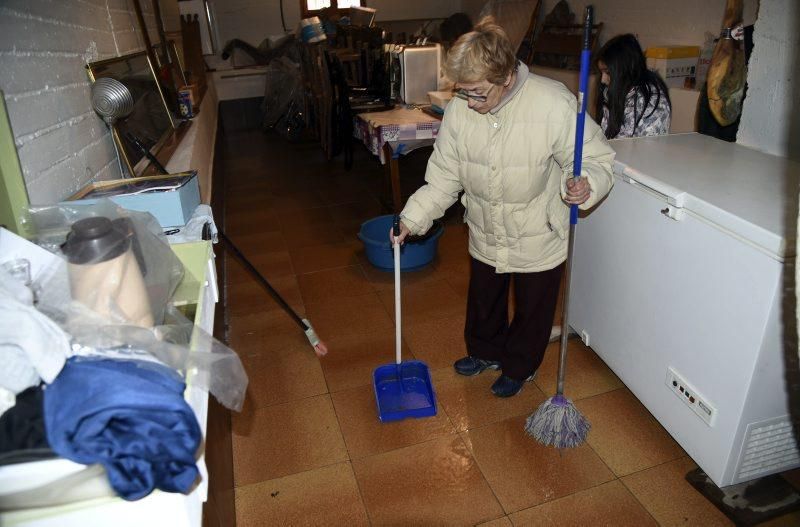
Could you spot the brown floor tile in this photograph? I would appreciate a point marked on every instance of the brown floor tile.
(243, 220)
(350, 216)
(318, 218)
(384, 280)
(670, 499)
(366, 435)
(438, 342)
(625, 435)
(283, 201)
(454, 241)
(264, 333)
(333, 284)
(587, 374)
(271, 264)
(610, 505)
(460, 284)
(321, 257)
(424, 302)
(352, 358)
(246, 295)
(523, 473)
(500, 522)
(470, 403)
(287, 375)
(434, 483)
(258, 240)
(339, 317)
(453, 255)
(340, 192)
(304, 235)
(321, 497)
(279, 440)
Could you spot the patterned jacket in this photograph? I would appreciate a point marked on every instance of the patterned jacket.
(655, 121)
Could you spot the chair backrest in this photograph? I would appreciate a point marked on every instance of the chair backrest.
(560, 46)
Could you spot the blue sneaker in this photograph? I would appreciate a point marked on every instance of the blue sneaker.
(505, 386)
(470, 366)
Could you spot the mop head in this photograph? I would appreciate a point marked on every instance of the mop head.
(558, 423)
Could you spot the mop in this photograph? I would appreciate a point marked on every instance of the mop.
(319, 347)
(557, 422)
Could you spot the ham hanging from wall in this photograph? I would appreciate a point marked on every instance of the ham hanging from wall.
(728, 72)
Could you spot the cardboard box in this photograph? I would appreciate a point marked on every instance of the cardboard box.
(171, 198)
(677, 65)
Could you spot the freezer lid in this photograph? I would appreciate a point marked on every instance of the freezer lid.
(749, 193)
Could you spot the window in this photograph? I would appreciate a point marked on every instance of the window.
(309, 6)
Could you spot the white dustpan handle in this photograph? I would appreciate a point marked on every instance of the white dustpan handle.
(397, 314)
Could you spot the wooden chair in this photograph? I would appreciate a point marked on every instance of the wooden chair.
(319, 93)
(560, 46)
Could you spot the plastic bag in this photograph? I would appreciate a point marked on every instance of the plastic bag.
(104, 331)
(118, 262)
(283, 99)
(203, 361)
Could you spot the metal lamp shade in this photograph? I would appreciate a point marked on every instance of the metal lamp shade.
(111, 99)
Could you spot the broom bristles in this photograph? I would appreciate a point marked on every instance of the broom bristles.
(558, 423)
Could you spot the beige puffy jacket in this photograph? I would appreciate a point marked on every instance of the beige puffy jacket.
(512, 165)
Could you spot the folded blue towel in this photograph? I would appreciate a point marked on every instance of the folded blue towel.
(130, 417)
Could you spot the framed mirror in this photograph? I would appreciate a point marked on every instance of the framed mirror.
(150, 123)
(174, 63)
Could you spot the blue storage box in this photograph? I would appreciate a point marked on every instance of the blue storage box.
(171, 198)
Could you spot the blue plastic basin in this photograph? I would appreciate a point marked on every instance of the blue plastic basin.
(414, 254)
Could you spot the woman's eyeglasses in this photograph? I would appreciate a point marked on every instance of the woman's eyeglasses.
(463, 94)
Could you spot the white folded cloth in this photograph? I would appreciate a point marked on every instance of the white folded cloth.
(31, 345)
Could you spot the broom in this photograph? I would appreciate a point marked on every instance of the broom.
(557, 422)
(319, 347)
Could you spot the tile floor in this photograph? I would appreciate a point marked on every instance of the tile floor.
(308, 447)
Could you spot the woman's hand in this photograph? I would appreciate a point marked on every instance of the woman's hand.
(403, 233)
(578, 191)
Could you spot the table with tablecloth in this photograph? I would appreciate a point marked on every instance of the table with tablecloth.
(395, 132)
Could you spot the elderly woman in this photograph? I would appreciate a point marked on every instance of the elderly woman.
(508, 144)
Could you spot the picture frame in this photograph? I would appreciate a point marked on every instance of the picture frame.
(177, 62)
(151, 122)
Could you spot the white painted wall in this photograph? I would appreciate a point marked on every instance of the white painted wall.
(770, 114)
(254, 20)
(44, 45)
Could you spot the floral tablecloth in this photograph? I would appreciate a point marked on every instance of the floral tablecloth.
(405, 129)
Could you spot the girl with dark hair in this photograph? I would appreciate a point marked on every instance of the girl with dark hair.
(632, 100)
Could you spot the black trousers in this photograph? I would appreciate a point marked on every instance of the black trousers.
(520, 345)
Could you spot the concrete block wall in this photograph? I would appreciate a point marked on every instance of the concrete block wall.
(769, 116)
(44, 47)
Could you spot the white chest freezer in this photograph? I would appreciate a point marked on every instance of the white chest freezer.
(683, 283)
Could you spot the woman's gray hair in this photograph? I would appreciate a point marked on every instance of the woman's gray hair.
(482, 54)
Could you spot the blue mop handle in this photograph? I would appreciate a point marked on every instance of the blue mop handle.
(583, 83)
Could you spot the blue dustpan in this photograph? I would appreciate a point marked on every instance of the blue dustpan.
(403, 389)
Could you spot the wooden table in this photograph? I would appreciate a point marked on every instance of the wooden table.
(393, 133)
